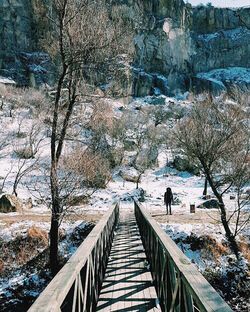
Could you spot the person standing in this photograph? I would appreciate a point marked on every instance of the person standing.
(168, 198)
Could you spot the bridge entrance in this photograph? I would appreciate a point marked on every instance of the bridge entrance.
(128, 284)
(124, 264)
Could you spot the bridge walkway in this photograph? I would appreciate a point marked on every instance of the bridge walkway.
(127, 285)
(112, 263)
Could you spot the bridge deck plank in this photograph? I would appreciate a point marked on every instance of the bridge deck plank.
(128, 282)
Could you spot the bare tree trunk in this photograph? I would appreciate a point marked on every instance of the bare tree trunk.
(54, 237)
(54, 187)
(54, 228)
(138, 180)
(229, 235)
(205, 187)
(233, 244)
(14, 191)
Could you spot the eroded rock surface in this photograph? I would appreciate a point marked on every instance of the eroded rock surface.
(173, 41)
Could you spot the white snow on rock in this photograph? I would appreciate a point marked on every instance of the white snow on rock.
(7, 81)
(237, 75)
(221, 3)
(20, 228)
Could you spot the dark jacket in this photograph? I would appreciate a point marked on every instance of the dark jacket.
(168, 197)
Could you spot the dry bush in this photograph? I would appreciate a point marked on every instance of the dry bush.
(22, 249)
(1, 265)
(79, 200)
(24, 153)
(38, 234)
(101, 117)
(11, 94)
(240, 94)
(22, 256)
(91, 168)
(245, 248)
(34, 98)
(2, 90)
(210, 248)
(24, 97)
(214, 247)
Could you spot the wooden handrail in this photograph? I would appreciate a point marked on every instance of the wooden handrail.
(77, 285)
(179, 285)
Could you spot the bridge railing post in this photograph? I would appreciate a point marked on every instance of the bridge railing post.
(179, 285)
(77, 285)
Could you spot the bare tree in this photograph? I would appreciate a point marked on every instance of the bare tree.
(216, 137)
(24, 167)
(28, 154)
(87, 35)
(100, 125)
(4, 179)
(147, 139)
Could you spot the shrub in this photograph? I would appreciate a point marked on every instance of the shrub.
(24, 97)
(21, 135)
(92, 169)
(38, 234)
(24, 153)
(1, 265)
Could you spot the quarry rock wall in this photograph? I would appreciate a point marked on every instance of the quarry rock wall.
(173, 44)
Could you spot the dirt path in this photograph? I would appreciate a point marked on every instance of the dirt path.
(7, 219)
(199, 217)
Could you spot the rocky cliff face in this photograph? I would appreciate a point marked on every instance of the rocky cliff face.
(20, 31)
(164, 47)
(16, 33)
(221, 38)
(208, 19)
(192, 41)
(174, 42)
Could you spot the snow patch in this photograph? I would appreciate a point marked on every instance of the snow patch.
(237, 75)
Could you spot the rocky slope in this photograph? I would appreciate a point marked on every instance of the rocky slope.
(194, 40)
(21, 28)
(174, 43)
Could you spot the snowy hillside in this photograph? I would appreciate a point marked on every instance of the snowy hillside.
(221, 3)
(135, 142)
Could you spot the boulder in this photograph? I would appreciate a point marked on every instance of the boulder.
(29, 203)
(183, 164)
(176, 200)
(7, 81)
(202, 84)
(143, 83)
(129, 174)
(129, 145)
(10, 203)
(156, 100)
(209, 204)
(138, 194)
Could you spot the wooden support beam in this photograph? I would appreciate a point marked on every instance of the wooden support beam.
(54, 295)
(182, 276)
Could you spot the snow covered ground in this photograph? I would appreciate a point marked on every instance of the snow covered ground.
(236, 75)
(187, 189)
(221, 3)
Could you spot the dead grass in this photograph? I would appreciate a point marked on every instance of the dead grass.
(214, 249)
(38, 234)
(23, 97)
(245, 248)
(23, 248)
(1, 266)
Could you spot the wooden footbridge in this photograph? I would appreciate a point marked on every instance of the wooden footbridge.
(128, 263)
